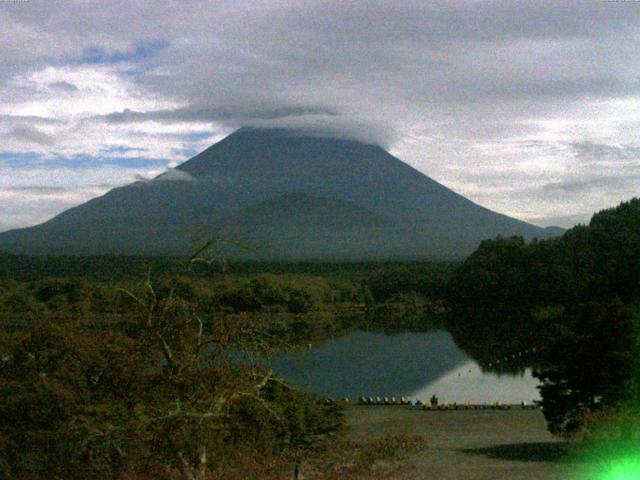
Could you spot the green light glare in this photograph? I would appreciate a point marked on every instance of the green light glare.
(623, 469)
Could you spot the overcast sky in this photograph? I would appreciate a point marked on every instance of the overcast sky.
(530, 108)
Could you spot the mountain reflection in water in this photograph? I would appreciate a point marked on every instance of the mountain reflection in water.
(468, 383)
(401, 364)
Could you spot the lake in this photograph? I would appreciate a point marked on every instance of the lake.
(416, 365)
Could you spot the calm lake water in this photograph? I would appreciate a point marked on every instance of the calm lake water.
(417, 365)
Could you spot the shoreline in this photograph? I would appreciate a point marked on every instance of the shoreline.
(511, 444)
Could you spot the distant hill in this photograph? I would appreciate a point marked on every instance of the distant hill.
(289, 196)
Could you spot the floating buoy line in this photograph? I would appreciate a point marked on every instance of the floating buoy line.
(508, 358)
(435, 406)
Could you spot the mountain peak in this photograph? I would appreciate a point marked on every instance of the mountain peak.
(249, 148)
(289, 133)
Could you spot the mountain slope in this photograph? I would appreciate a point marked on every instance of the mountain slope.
(301, 226)
(305, 196)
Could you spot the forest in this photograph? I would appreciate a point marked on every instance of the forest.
(577, 298)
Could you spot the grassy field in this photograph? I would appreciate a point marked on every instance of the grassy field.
(460, 445)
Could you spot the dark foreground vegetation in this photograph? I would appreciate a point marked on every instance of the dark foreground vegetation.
(125, 367)
(150, 391)
(147, 368)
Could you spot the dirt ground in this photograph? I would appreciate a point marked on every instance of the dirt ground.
(473, 444)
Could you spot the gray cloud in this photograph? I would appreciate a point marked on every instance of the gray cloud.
(57, 190)
(65, 87)
(593, 152)
(36, 189)
(364, 64)
(27, 119)
(592, 182)
(570, 185)
(30, 134)
(195, 114)
(173, 175)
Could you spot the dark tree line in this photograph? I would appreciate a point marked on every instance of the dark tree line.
(576, 297)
